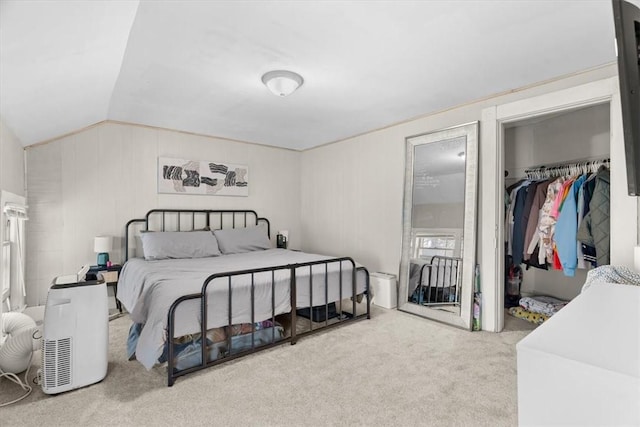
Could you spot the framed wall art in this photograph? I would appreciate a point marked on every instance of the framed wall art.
(180, 176)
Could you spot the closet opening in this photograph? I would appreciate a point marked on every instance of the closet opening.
(552, 164)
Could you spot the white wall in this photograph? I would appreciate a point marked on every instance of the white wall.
(352, 199)
(352, 190)
(580, 134)
(91, 183)
(11, 162)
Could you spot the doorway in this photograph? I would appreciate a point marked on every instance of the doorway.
(496, 121)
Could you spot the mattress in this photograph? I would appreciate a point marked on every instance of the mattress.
(148, 288)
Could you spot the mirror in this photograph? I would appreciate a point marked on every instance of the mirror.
(437, 270)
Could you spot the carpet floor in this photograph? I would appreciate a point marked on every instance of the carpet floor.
(393, 370)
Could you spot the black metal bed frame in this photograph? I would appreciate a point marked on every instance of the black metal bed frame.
(437, 264)
(231, 217)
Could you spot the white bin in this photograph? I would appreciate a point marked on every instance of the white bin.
(383, 287)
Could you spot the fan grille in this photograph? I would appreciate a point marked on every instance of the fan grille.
(56, 362)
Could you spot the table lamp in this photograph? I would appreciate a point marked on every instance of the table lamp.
(102, 246)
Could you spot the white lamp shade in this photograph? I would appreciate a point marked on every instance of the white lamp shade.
(102, 244)
(282, 82)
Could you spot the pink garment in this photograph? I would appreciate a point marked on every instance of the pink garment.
(555, 210)
(547, 223)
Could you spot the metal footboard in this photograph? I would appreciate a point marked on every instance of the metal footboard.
(440, 282)
(295, 272)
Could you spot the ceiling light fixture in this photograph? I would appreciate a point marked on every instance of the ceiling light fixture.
(282, 82)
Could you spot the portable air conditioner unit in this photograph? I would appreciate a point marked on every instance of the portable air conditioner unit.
(76, 336)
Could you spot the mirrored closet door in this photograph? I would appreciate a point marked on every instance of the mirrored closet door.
(437, 271)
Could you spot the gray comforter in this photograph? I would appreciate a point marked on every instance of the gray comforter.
(148, 288)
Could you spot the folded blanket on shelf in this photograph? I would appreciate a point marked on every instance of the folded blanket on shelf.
(611, 274)
(542, 304)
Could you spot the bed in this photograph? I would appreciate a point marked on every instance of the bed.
(435, 282)
(211, 281)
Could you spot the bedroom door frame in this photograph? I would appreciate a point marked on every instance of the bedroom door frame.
(494, 120)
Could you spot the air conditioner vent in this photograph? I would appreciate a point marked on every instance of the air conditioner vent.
(56, 362)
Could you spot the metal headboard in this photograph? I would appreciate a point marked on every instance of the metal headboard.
(189, 220)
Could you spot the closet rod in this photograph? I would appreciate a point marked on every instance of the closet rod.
(571, 168)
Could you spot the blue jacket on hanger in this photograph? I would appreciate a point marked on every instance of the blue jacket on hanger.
(567, 230)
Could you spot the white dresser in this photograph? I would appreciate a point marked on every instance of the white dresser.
(582, 366)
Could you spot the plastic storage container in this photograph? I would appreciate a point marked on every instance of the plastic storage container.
(384, 290)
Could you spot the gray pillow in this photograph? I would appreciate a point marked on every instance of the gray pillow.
(139, 251)
(179, 244)
(239, 240)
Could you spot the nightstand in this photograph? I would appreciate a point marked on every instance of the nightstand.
(110, 276)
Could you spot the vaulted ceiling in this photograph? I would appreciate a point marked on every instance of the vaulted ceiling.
(196, 66)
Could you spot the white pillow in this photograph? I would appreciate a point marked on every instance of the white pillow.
(178, 244)
(239, 240)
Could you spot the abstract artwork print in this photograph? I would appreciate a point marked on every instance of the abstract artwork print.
(179, 176)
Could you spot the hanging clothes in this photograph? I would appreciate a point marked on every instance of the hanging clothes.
(562, 195)
(532, 238)
(546, 226)
(557, 207)
(522, 217)
(509, 218)
(567, 229)
(588, 249)
(579, 253)
(551, 222)
(519, 224)
(595, 228)
(526, 214)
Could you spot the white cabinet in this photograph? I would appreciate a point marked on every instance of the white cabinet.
(582, 366)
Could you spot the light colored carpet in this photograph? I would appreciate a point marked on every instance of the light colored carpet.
(395, 369)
